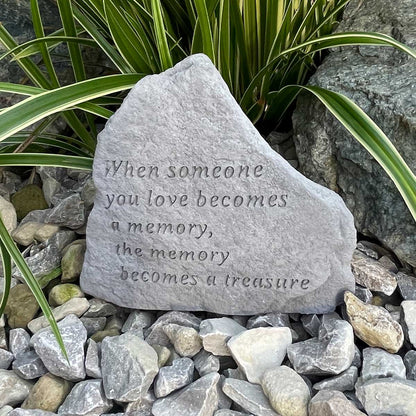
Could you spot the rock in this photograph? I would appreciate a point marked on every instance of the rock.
(27, 199)
(388, 396)
(24, 234)
(100, 308)
(311, 323)
(93, 360)
(198, 399)
(137, 320)
(141, 407)
(21, 306)
(407, 286)
(45, 232)
(409, 318)
(243, 198)
(388, 263)
(345, 381)
(163, 354)
(6, 359)
(378, 363)
(72, 261)
(93, 325)
(174, 377)
(60, 294)
(13, 389)
(28, 365)
(378, 80)
(61, 239)
(369, 249)
(258, 349)
(8, 214)
(216, 332)
(330, 353)
(206, 363)
(48, 393)
(234, 373)
(31, 412)
(332, 403)
(185, 340)
(19, 341)
(227, 412)
(269, 319)
(363, 294)
(410, 362)
(372, 275)
(74, 336)
(86, 398)
(128, 365)
(287, 392)
(249, 396)
(156, 335)
(4, 411)
(3, 340)
(70, 213)
(373, 324)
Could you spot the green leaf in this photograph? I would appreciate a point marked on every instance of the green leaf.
(7, 273)
(162, 43)
(204, 25)
(42, 159)
(33, 109)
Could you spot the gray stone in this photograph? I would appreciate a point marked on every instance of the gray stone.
(410, 362)
(331, 352)
(206, 363)
(70, 213)
(163, 354)
(31, 412)
(216, 332)
(87, 398)
(185, 340)
(372, 275)
(8, 214)
(409, 319)
(19, 341)
(201, 123)
(378, 363)
(93, 359)
(174, 377)
(389, 264)
(6, 359)
(311, 323)
(332, 403)
(141, 407)
(92, 325)
(28, 365)
(249, 396)
(198, 399)
(74, 336)
(343, 382)
(407, 286)
(228, 412)
(4, 411)
(388, 396)
(379, 80)
(286, 390)
(269, 319)
(13, 389)
(156, 335)
(61, 239)
(137, 320)
(129, 366)
(100, 308)
(259, 349)
(363, 294)
(368, 250)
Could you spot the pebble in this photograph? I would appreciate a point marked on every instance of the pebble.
(137, 320)
(100, 308)
(388, 396)
(4, 411)
(141, 407)
(185, 340)
(21, 306)
(370, 249)
(93, 359)
(72, 261)
(13, 389)
(330, 353)
(8, 214)
(87, 398)
(197, 399)
(27, 199)
(389, 264)
(29, 366)
(163, 353)
(216, 332)
(228, 412)
(410, 363)
(19, 341)
(342, 382)
(174, 377)
(372, 275)
(332, 403)
(409, 319)
(206, 363)
(92, 325)
(74, 306)
(61, 239)
(311, 324)
(48, 393)
(61, 294)
(31, 412)
(24, 234)
(286, 390)
(249, 396)
(407, 286)
(6, 359)
(129, 366)
(363, 294)
(259, 349)
(74, 336)
(276, 319)
(373, 324)
(70, 213)
(45, 232)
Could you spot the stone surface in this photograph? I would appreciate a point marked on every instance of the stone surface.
(409, 319)
(19, 341)
(93, 360)
(24, 234)
(373, 324)
(70, 213)
(6, 359)
(410, 362)
(129, 366)
(332, 403)
(21, 306)
(72, 261)
(31, 412)
(330, 353)
(48, 393)
(388, 396)
(143, 406)
(286, 390)
(174, 377)
(60, 294)
(13, 389)
(379, 80)
(407, 286)
(259, 349)
(216, 332)
(8, 214)
(372, 275)
(345, 381)
(187, 260)
(185, 340)
(27, 199)
(137, 320)
(74, 336)
(93, 325)
(29, 366)
(249, 396)
(86, 398)
(198, 399)
(268, 319)
(100, 308)
(206, 363)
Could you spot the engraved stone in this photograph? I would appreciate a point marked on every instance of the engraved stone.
(194, 210)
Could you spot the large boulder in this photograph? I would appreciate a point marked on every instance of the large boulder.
(381, 81)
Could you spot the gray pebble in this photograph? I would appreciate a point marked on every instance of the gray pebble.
(28, 365)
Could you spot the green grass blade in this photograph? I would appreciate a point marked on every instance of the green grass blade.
(205, 27)
(7, 273)
(44, 159)
(33, 284)
(161, 40)
(33, 109)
